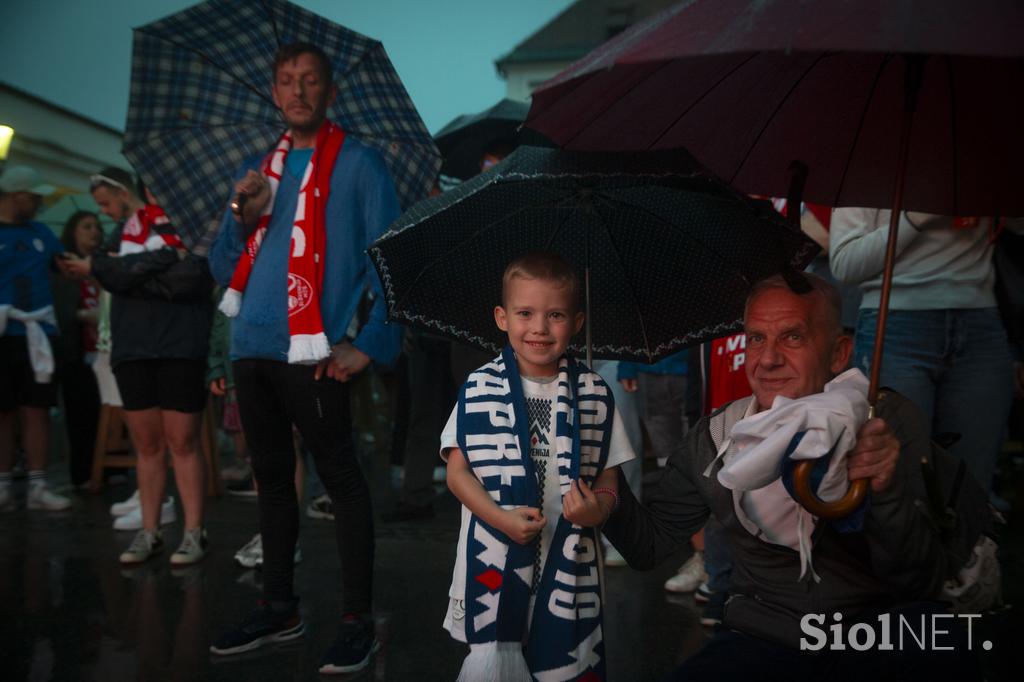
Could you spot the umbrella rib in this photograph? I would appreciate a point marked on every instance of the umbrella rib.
(222, 69)
(700, 99)
(860, 128)
(611, 103)
(273, 24)
(551, 239)
(629, 282)
(701, 244)
(768, 121)
(472, 235)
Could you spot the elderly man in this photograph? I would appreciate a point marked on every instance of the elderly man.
(27, 252)
(795, 345)
(294, 263)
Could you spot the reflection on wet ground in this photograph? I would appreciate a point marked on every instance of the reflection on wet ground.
(70, 612)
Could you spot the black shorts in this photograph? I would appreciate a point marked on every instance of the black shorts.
(18, 385)
(178, 385)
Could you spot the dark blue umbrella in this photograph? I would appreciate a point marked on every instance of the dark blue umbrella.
(466, 138)
(666, 251)
(201, 104)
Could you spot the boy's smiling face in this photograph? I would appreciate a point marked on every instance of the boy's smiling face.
(539, 316)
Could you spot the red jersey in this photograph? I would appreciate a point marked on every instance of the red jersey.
(727, 378)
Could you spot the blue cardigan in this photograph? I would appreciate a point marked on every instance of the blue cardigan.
(361, 205)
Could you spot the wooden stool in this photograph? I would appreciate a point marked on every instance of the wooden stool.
(211, 453)
(113, 448)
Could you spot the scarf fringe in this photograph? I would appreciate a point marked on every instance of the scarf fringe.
(495, 662)
(231, 303)
(306, 349)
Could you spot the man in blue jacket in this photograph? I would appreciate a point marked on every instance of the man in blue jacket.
(294, 262)
(27, 323)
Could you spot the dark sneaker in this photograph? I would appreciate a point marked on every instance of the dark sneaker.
(261, 627)
(714, 610)
(409, 512)
(353, 647)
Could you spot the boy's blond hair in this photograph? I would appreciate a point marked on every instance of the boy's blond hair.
(545, 265)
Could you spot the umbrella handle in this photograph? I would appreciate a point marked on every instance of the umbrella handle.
(810, 501)
(238, 203)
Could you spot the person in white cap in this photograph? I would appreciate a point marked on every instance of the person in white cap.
(27, 388)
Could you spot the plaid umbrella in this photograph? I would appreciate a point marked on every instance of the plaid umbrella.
(201, 104)
(667, 252)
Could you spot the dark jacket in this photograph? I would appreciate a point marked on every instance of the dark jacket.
(161, 306)
(898, 557)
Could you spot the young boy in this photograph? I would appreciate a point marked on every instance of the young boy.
(527, 570)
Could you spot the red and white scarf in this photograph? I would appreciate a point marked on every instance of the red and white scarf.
(308, 343)
(148, 229)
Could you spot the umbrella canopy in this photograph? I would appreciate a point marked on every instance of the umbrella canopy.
(465, 139)
(901, 104)
(200, 104)
(670, 250)
(749, 87)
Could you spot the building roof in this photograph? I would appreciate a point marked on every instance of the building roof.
(63, 111)
(580, 28)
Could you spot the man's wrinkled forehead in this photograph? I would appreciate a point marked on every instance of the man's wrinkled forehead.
(779, 306)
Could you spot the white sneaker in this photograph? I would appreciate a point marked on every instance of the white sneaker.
(192, 549)
(321, 508)
(690, 575)
(251, 554)
(40, 497)
(133, 519)
(126, 507)
(237, 472)
(144, 545)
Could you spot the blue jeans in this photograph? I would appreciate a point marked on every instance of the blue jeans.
(955, 365)
(717, 556)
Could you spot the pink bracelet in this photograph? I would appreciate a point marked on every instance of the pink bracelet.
(609, 491)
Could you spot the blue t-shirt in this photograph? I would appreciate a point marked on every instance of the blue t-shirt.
(297, 160)
(26, 252)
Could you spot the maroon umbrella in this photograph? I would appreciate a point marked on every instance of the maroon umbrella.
(901, 104)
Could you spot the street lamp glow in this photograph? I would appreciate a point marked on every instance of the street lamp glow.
(6, 135)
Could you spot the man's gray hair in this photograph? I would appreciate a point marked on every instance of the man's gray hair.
(832, 302)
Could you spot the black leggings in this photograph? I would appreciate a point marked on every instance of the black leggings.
(271, 397)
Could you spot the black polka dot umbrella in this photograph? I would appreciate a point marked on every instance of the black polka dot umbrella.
(667, 251)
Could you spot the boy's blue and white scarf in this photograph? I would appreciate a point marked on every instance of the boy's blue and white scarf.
(565, 639)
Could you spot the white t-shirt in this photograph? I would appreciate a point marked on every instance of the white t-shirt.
(540, 395)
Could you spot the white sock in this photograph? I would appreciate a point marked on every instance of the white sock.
(37, 478)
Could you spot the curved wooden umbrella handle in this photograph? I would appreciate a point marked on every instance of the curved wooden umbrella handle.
(810, 501)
